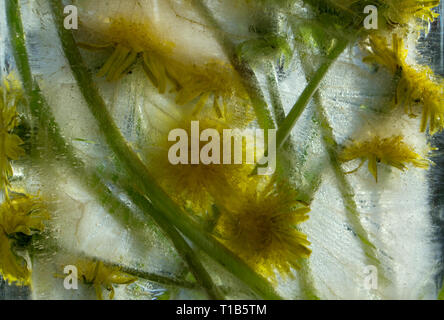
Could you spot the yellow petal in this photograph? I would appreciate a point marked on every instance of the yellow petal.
(12, 268)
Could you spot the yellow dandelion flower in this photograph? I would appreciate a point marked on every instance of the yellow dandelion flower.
(391, 151)
(130, 40)
(417, 86)
(13, 268)
(23, 214)
(401, 12)
(20, 217)
(100, 276)
(260, 226)
(10, 96)
(214, 79)
(194, 184)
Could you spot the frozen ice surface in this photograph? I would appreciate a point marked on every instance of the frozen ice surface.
(395, 211)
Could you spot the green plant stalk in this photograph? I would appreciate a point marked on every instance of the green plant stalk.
(186, 251)
(347, 192)
(180, 244)
(167, 281)
(41, 111)
(278, 108)
(344, 186)
(306, 280)
(144, 183)
(303, 100)
(273, 89)
(248, 77)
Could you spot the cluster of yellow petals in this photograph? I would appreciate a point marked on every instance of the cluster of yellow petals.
(274, 244)
(10, 97)
(392, 13)
(392, 151)
(260, 225)
(21, 216)
(401, 12)
(416, 86)
(192, 81)
(255, 217)
(196, 186)
(101, 276)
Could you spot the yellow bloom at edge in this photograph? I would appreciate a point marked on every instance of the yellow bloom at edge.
(417, 86)
(391, 151)
(99, 275)
(10, 96)
(401, 12)
(260, 225)
(22, 215)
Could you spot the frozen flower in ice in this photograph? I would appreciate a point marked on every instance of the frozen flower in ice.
(195, 185)
(417, 86)
(23, 214)
(401, 12)
(215, 79)
(21, 217)
(392, 151)
(13, 268)
(10, 96)
(212, 79)
(129, 40)
(260, 225)
(100, 276)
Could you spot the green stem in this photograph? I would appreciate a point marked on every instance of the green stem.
(249, 79)
(305, 274)
(144, 183)
(186, 251)
(295, 112)
(344, 186)
(167, 281)
(441, 293)
(51, 247)
(275, 97)
(346, 190)
(41, 111)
